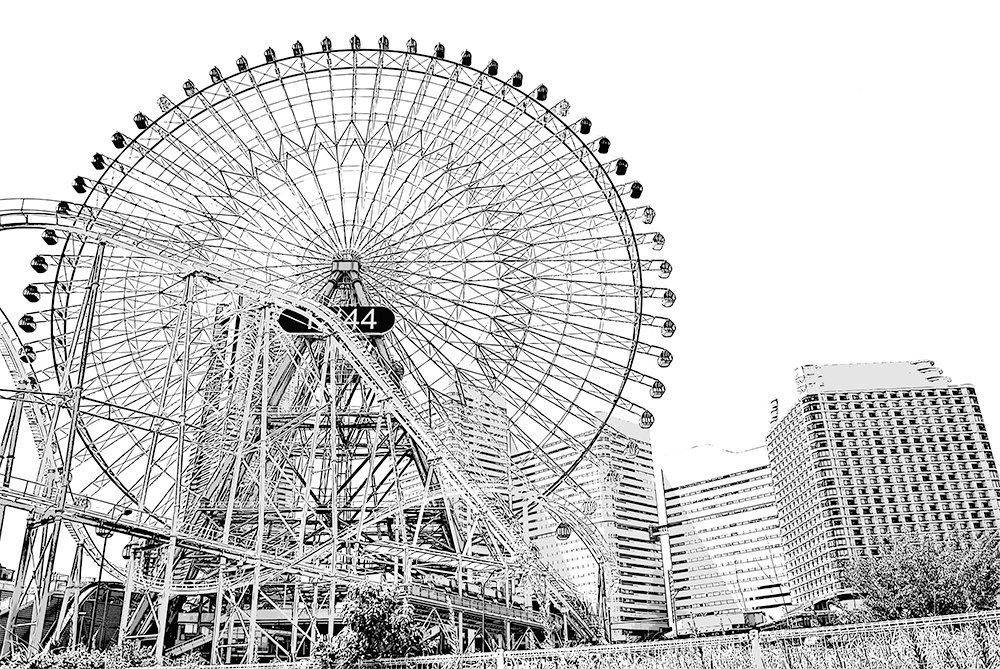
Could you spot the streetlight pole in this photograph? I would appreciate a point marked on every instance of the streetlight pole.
(675, 619)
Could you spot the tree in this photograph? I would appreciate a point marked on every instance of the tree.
(377, 623)
(913, 576)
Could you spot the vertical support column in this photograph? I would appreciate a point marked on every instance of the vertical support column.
(307, 494)
(127, 596)
(603, 607)
(229, 641)
(756, 654)
(461, 615)
(254, 628)
(168, 574)
(10, 435)
(331, 362)
(402, 564)
(123, 622)
(220, 603)
(294, 640)
(314, 618)
(7, 449)
(74, 638)
(220, 600)
(81, 337)
(20, 579)
(72, 594)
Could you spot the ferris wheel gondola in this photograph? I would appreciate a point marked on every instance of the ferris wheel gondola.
(501, 238)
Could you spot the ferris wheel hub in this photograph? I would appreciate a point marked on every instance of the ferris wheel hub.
(246, 367)
(347, 265)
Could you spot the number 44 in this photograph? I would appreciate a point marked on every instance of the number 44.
(367, 320)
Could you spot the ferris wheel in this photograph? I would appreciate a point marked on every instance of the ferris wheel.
(257, 335)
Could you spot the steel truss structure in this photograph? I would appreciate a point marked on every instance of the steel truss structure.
(258, 470)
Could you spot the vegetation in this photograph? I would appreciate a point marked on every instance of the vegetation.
(117, 657)
(376, 624)
(913, 576)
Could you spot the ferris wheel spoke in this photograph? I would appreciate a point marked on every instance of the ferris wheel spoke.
(473, 160)
(494, 231)
(149, 222)
(189, 192)
(605, 289)
(254, 187)
(368, 157)
(269, 154)
(459, 119)
(582, 224)
(574, 332)
(570, 204)
(542, 351)
(534, 161)
(320, 230)
(424, 172)
(435, 140)
(586, 246)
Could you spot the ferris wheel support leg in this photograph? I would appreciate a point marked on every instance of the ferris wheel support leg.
(164, 598)
(401, 568)
(307, 494)
(73, 589)
(369, 485)
(23, 567)
(331, 358)
(253, 628)
(217, 614)
(10, 436)
(314, 608)
(293, 644)
(43, 577)
(220, 601)
(86, 322)
(9, 445)
(603, 611)
(123, 626)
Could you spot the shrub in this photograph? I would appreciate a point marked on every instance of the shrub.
(376, 624)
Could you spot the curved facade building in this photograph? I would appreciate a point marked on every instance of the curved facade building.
(873, 450)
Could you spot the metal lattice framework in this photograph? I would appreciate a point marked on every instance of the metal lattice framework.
(259, 471)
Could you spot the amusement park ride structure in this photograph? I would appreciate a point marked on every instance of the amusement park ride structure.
(251, 332)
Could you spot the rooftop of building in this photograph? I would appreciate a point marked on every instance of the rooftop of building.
(733, 476)
(869, 375)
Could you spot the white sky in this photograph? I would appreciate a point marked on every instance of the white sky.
(825, 173)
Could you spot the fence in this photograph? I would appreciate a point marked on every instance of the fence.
(944, 642)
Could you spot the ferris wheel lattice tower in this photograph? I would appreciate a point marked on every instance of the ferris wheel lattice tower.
(251, 345)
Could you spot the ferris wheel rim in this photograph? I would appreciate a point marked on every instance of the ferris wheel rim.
(624, 219)
(541, 134)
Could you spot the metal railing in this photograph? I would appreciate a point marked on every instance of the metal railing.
(954, 642)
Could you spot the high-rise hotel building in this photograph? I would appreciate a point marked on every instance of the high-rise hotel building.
(620, 479)
(869, 451)
(481, 422)
(484, 427)
(727, 569)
